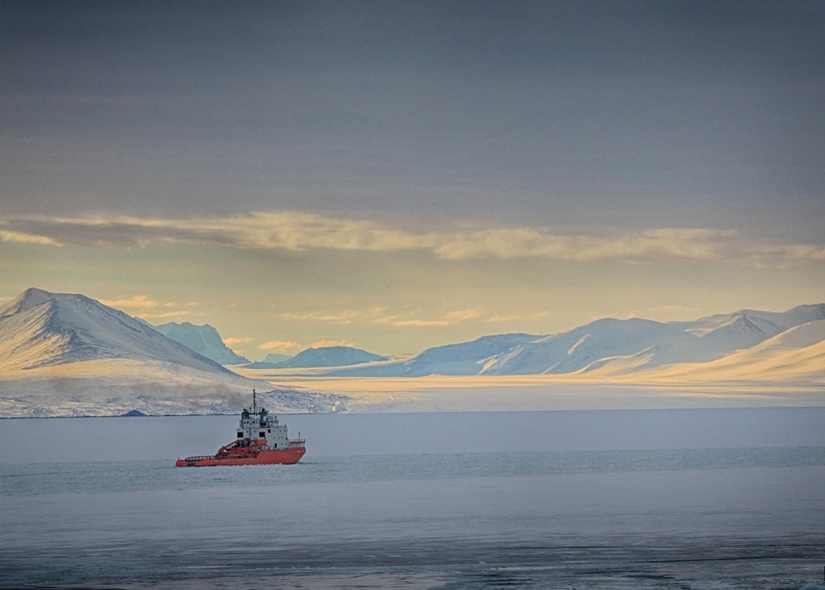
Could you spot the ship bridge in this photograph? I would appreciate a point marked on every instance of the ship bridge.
(257, 423)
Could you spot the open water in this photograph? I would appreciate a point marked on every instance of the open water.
(689, 499)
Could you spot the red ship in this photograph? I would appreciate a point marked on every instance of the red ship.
(261, 441)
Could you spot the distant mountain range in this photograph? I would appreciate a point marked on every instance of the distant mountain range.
(466, 358)
(608, 347)
(604, 347)
(328, 356)
(64, 354)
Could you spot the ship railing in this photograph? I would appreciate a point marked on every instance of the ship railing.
(297, 443)
(199, 457)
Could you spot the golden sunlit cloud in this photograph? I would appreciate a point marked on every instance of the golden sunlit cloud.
(26, 238)
(136, 303)
(231, 341)
(279, 346)
(166, 315)
(299, 231)
(448, 319)
(326, 343)
(496, 319)
(146, 308)
(381, 315)
(341, 317)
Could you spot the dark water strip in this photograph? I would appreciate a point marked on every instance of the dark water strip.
(466, 564)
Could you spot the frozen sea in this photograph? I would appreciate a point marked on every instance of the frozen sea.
(688, 499)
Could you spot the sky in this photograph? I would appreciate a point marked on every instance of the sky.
(399, 175)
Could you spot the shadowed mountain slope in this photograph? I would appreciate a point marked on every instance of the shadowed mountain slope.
(204, 340)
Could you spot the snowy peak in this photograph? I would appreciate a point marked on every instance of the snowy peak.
(41, 329)
(26, 300)
(746, 330)
(769, 322)
(579, 348)
(204, 340)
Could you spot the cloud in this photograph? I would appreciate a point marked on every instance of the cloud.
(279, 346)
(166, 315)
(339, 317)
(325, 343)
(136, 303)
(515, 317)
(300, 231)
(144, 307)
(447, 319)
(27, 238)
(509, 243)
(286, 230)
(230, 342)
(384, 316)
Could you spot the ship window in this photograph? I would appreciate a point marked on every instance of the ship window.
(275, 445)
(262, 434)
(269, 430)
(240, 435)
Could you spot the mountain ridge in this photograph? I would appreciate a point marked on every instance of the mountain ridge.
(68, 353)
(633, 345)
(204, 340)
(79, 328)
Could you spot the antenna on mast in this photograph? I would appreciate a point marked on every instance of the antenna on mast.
(254, 402)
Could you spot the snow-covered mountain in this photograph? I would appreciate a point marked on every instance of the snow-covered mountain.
(40, 329)
(796, 354)
(329, 356)
(607, 347)
(579, 348)
(466, 358)
(63, 354)
(204, 340)
(766, 321)
(622, 346)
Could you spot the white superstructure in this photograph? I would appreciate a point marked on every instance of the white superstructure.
(256, 424)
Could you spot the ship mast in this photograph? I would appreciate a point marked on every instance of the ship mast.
(254, 402)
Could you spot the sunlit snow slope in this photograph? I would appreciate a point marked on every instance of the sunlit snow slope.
(64, 354)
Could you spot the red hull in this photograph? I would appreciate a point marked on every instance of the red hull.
(274, 457)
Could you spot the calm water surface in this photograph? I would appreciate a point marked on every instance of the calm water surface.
(660, 499)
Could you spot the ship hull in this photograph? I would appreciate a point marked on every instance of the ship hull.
(271, 457)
